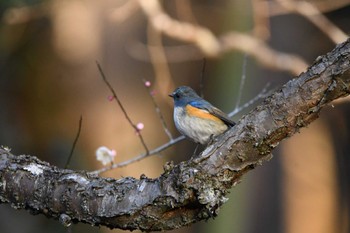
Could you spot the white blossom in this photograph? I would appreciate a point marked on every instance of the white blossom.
(105, 155)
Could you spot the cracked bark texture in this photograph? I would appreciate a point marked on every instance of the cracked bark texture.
(188, 192)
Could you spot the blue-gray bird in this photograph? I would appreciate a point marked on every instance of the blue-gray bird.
(196, 118)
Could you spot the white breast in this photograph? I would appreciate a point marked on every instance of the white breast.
(197, 129)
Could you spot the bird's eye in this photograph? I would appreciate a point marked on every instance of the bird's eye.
(177, 95)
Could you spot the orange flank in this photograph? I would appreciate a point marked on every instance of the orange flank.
(195, 112)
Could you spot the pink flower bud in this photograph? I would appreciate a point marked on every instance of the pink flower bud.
(140, 126)
(148, 83)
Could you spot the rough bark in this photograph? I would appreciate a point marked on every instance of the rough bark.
(190, 191)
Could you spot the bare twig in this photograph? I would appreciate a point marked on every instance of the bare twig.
(262, 94)
(141, 156)
(160, 115)
(242, 82)
(121, 106)
(74, 143)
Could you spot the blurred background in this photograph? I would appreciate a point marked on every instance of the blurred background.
(49, 78)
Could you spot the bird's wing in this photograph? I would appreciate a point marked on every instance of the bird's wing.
(213, 110)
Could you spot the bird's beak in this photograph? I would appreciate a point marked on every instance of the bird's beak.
(171, 95)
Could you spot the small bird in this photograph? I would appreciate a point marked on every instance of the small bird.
(196, 118)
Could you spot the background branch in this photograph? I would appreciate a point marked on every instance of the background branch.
(309, 11)
(212, 46)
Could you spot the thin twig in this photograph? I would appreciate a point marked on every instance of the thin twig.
(74, 143)
(141, 156)
(160, 115)
(122, 107)
(242, 82)
(201, 84)
(263, 94)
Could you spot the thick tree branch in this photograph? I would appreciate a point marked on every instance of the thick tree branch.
(190, 191)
